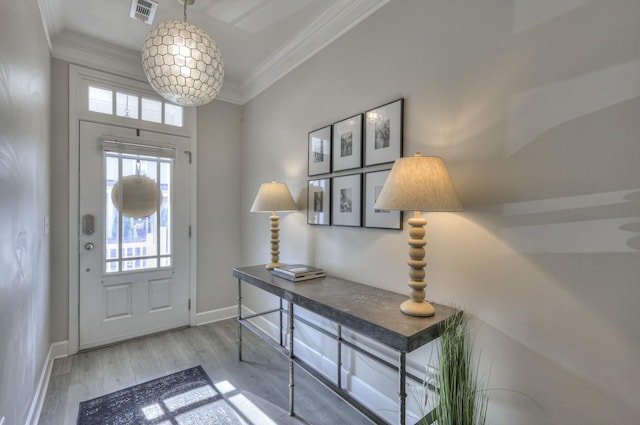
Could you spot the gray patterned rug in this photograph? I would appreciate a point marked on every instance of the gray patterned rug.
(187, 397)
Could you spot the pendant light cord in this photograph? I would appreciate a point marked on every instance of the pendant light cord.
(185, 11)
(138, 171)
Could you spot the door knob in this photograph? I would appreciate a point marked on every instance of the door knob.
(89, 246)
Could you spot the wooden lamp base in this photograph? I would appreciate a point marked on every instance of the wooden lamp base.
(275, 242)
(416, 305)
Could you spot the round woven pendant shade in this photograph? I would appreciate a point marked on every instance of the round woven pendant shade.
(182, 63)
(139, 196)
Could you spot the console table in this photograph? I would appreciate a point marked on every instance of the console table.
(366, 310)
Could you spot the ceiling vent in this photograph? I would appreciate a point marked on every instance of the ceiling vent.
(143, 10)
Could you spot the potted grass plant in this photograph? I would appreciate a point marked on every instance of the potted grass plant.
(461, 398)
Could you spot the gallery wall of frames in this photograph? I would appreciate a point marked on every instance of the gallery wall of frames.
(343, 183)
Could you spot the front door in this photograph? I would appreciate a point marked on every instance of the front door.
(134, 233)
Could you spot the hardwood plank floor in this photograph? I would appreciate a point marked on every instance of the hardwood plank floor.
(261, 379)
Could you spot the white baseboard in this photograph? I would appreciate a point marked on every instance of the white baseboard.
(59, 349)
(56, 350)
(216, 315)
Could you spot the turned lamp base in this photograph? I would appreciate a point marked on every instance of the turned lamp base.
(420, 309)
(275, 242)
(416, 305)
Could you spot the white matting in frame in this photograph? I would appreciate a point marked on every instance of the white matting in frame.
(377, 218)
(320, 151)
(319, 202)
(383, 135)
(347, 143)
(346, 208)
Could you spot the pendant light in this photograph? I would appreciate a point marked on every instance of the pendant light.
(182, 63)
(135, 195)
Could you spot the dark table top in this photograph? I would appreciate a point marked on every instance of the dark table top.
(370, 311)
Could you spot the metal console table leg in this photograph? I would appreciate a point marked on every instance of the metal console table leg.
(291, 378)
(239, 320)
(339, 338)
(403, 387)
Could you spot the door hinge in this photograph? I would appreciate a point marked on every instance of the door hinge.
(189, 304)
(189, 230)
(188, 153)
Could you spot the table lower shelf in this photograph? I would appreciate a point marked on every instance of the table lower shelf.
(321, 378)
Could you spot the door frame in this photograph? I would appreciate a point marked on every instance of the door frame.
(79, 80)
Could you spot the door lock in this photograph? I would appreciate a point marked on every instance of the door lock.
(87, 224)
(89, 246)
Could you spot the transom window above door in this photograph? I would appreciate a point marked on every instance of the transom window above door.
(128, 105)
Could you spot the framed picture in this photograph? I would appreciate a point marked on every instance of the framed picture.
(346, 208)
(320, 151)
(347, 143)
(377, 218)
(319, 202)
(383, 133)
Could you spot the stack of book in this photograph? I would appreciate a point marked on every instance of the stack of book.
(298, 272)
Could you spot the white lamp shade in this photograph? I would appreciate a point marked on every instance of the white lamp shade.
(182, 63)
(419, 183)
(272, 197)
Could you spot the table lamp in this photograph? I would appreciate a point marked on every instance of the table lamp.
(418, 183)
(274, 197)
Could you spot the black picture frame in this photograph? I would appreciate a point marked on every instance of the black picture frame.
(376, 218)
(346, 204)
(347, 144)
(384, 133)
(319, 202)
(319, 153)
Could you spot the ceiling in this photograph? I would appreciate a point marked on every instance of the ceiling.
(260, 40)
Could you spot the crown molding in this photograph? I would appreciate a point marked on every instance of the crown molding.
(92, 53)
(230, 93)
(328, 27)
(51, 14)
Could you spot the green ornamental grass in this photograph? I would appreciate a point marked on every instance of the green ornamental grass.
(461, 399)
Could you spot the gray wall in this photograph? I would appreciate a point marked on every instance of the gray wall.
(534, 106)
(218, 202)
(60, 201)
(24, 205)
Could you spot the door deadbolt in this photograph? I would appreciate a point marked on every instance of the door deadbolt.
(87, 224)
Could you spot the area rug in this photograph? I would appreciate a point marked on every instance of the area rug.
(187, 397)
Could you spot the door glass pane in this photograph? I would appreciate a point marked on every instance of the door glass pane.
(139, 264)
(139, 228)
(112, 222)
(165, 209)
(135, 234)
(126, 105)
(112, 266)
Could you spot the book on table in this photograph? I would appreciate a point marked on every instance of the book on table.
(298, 272)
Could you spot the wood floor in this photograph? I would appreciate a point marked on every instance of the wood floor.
(262, 376)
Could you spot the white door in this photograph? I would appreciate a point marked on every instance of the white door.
(134, 233)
